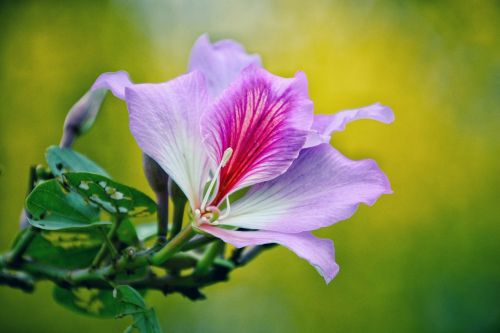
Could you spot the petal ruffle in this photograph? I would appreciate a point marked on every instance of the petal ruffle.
(320, 188)
(265, 120)
(221, 62)
(165, 121)
(117, 82)
(318, 251)
(324, 125)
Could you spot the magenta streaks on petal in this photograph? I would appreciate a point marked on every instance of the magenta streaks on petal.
(221, 63)
(320, 188)
(324, 125)
(318, 251)
(114, 81)
(264, 119)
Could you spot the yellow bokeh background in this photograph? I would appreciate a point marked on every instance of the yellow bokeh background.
(424, 259)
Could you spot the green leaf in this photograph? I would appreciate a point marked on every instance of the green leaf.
(50, 207)
(61, 160)
(91, 302)
(147, 322)
(132, 303)
(145, 231)
(70, 249)
(127, 295)
(127, 233)
(113, 197)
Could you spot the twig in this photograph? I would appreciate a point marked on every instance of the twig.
(108, 244)
(203, 266)
(21, 246)
(173, 246)
(250, 254)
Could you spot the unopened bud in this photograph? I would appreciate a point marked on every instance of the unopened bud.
(156, 176)
(23, 220)
(81, 116)
(176, 193)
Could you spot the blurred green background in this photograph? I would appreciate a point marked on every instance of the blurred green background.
(425, 259)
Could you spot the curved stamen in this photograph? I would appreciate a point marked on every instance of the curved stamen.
(225, 158)
(228, 209)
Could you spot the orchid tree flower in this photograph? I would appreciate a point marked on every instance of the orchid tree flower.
(229, 125)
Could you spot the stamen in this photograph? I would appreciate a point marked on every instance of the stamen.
(228, 209)
(225, 158)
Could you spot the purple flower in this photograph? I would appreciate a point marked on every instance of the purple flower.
(229, 125)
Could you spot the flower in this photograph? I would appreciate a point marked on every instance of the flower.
(229, 125)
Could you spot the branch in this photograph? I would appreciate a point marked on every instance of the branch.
(108, 245)
(173, 246)
(17, 280)
(12, 257)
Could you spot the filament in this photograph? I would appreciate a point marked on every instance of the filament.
(225, 158)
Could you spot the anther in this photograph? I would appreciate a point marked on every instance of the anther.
(226, 156)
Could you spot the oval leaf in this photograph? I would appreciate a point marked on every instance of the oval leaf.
(71, 249)
(61, 160)
(113, 197)
(50, 207)
(91, 302)
(129, 296)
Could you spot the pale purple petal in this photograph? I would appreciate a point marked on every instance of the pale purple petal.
(165, 121)
(320, 188)
(318, 251)
(324, 125)
(221, 62)
(265, 120)
(114, 81)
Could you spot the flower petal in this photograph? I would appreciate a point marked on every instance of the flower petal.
(325, 125)
(165, 121)
(320, 188)
(265, 120)
(114, 81)
(221, 62)
(318, 251)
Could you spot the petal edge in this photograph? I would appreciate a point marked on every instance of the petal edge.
(319, 252)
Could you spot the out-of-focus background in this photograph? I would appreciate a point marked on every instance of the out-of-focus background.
(425, 259)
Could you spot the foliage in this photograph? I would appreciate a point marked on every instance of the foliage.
(85, 235)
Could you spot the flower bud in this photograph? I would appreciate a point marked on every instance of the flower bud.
(23, 220)
(158, 180)
(176, 193)
(156, 176)
(81, 116)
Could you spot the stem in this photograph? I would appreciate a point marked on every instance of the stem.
(251, 254)
(185, 260)
(21, 246)
(199, 241)
(162, 216)
(203, 266)
(18, 280)
(97, 278)
(173, 246)
(108, 244)
(23, 220)
(178, 218)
